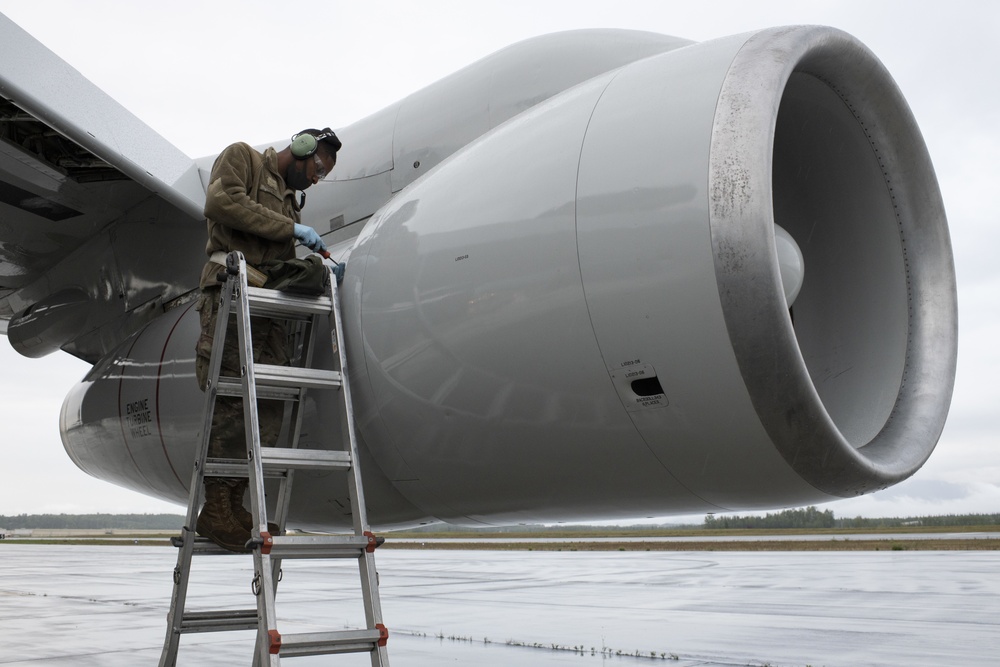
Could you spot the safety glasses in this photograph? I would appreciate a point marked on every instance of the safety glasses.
(320, 167)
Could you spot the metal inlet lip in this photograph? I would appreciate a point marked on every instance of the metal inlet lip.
(853, 386)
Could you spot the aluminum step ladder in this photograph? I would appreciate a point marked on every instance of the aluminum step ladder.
(283, 383)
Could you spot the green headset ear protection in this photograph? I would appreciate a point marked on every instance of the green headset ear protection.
(304, 145)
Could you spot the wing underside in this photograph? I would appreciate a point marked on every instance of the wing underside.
(99, 215)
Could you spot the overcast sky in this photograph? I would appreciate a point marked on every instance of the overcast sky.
(205, 74)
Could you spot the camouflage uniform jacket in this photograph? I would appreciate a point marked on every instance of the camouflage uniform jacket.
(248, 208)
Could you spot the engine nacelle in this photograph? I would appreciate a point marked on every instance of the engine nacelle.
(583, 314)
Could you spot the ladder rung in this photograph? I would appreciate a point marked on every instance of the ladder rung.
(229, 386)
(234, 468)
(322, 643)
(282, 458)
(276, 460)
(222, 620)
(291, 376)
(269, 302)
(203, 546)
(281, 382)
(319, 546)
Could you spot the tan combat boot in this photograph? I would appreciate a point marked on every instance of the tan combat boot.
(242, 516)
(216, 520)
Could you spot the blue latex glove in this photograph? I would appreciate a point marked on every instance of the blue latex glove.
(308, 237)
(339, 271)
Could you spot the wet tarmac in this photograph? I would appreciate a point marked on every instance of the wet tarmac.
(106, 606)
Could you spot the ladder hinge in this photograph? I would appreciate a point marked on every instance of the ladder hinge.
(383, 634)
(266, 542)
(274, 642)
(373, 541)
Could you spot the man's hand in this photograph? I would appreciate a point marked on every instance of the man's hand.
(308, 237)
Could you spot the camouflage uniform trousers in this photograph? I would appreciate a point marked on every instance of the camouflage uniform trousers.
(270, 346)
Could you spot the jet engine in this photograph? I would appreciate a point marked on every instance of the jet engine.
(717, 278)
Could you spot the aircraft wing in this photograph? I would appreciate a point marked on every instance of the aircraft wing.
(91, 202)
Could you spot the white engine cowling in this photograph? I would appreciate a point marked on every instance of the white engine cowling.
(583, 311)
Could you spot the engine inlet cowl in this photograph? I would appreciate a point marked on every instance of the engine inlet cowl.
(853, 385)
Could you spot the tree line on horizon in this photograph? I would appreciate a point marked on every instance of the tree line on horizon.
(812, 518)
(93, 521)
